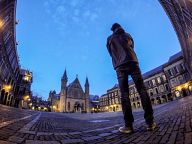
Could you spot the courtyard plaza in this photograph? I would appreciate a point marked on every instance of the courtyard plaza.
(174, 120)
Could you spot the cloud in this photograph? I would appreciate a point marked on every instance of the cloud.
(70, 13)
(80, 14)
(60, 9)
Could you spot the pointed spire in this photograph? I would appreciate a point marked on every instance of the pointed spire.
(76, 79)
(86, 81)
(65, 75)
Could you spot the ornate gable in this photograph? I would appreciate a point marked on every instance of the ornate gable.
(74, 90)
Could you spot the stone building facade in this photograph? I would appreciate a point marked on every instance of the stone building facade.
(72, 97)
(178, 76)
(180, 14)
(10, 70)
(24, 92)
(165, 83)
(94, 103)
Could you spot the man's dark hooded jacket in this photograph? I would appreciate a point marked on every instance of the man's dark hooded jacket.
(120, 46)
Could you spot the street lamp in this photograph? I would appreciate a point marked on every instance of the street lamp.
(26, 97)
(7, 88)
(1, 24)
(27, 77)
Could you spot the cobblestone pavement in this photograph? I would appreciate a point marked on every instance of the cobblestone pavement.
(174, 121)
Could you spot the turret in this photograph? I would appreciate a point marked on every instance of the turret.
(87, 94)
(50, 97)
(86, 85)
(64, 80)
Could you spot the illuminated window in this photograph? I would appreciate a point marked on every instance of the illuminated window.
(161, 87)
(159, 80)
(177, 93)
(153, 81)
(149, 83)
(164, 77)
(27, 77)
(190, 87)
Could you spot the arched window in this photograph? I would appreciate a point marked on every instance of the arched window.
(190, 87)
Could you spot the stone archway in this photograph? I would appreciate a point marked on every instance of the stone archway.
(158, 100)
(184, 92)
(134, 105)
(153, 101)
(169, 96)
(2, 96)
(114, 109)
(164, 99)
(9, 98)
(11, 101)
(77, 107)
(5, 98)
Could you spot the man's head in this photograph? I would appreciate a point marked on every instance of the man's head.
(115, 26)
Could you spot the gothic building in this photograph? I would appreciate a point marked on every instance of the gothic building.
(72, 97)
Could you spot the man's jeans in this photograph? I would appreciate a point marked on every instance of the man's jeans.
(122, 73)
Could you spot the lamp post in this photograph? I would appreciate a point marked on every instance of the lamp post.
(1, 33)
(1, 24)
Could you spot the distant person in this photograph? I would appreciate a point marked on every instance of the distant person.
(120, 46)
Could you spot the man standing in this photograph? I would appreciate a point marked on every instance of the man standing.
(120, 46)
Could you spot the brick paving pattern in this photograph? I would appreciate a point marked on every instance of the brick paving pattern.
(174, 121)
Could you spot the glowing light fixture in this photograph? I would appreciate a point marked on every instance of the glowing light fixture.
(26, 98)
(186, 85)
(7, 88)
(1, 24)
(27, 77)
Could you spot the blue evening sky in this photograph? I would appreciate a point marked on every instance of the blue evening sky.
(58, 34)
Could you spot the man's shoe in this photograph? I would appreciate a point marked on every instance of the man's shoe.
(152, 126)
(126, 130)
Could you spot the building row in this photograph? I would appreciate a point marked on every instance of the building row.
(15, 82)
(165, 83)
(180, 15)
